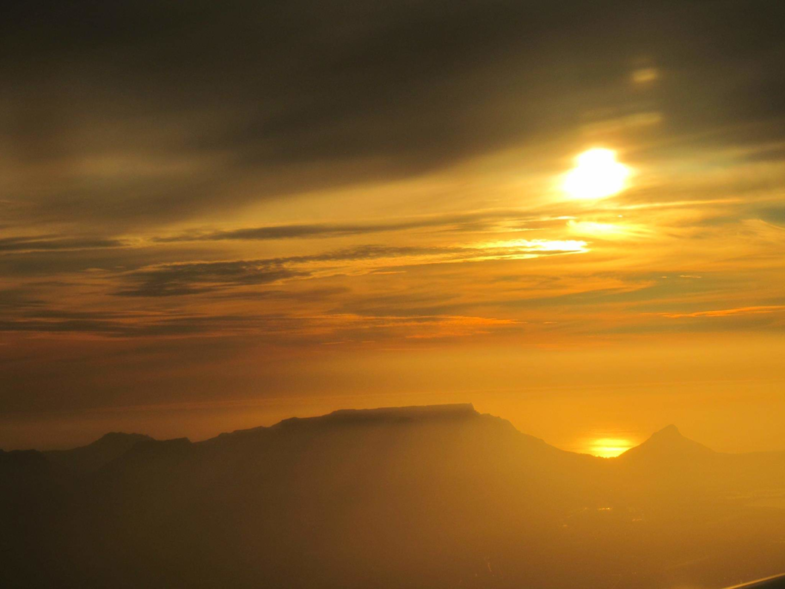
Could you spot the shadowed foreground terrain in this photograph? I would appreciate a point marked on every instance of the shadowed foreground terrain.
(412, 497)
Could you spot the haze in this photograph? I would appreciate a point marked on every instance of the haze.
(217, 215)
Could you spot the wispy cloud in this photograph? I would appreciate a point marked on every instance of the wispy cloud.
(200, 277)
(194, 278)
(56, 243)
(456, 222)
(755, 310)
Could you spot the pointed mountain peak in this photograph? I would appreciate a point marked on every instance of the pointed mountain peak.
(668, 442)
(668, 432)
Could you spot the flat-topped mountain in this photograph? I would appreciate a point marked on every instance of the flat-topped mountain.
(439, 496)
(411, 413)
(420, 414)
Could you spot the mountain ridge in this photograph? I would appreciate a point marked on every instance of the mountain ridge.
(666, 439)
(443, 495)
(97, 454)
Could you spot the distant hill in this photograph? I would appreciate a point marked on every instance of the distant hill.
(101, 452)
(402, 497)
(668, 444)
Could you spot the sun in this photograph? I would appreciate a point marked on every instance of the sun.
(596, 174)
(608, 447)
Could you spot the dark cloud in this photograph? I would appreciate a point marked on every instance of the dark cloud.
(207, 277)
(442, 253)
(468, 222)
(773, 214)
(134, 112)
(202, 277)
(195, 278)
(55, 243)
(309, 295)
(15, 299)
(371, 252)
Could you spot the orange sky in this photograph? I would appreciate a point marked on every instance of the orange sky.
(186, 256)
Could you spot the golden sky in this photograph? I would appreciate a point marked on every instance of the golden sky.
(211, 223)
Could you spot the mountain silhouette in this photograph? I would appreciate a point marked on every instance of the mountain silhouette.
(93, 456)
(439, 496)
(667, 444)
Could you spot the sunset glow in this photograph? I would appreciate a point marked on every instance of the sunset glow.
(242, 215)
(388, 294)
(608, 447)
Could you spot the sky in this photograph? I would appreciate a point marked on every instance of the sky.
(218, 215)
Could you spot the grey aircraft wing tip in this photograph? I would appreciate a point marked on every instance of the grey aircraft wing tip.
(774, 582)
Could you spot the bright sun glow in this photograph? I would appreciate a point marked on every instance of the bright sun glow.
(609, 447)
(596, 174)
